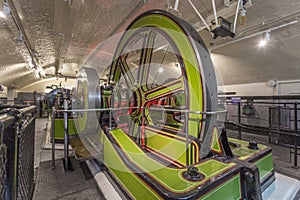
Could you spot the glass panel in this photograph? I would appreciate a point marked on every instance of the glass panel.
(164, 65)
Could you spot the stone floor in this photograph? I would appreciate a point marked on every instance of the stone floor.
(51, 184)
(57, 184)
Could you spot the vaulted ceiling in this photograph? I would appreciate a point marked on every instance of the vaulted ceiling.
(59, 35)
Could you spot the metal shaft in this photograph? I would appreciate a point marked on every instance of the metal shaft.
(66, 136)
(239, 121)
(296, 136)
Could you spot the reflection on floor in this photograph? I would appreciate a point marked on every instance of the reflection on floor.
(58, 184)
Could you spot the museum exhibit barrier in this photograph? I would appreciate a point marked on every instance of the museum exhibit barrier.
(276, 117)
(17, 152)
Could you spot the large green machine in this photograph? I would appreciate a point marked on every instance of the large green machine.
(158, 122)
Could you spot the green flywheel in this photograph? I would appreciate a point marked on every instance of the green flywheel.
(162, 70)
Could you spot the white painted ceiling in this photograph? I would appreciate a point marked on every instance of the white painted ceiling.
(61, 33)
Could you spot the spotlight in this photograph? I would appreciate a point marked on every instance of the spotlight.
(160, 70)
(2, 15)
(267, 38)
(262, 43)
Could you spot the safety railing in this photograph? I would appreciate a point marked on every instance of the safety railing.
(2, 171)
(280, 123)
(17, 131)
(110, 126)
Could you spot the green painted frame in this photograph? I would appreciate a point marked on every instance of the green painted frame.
(197, 83)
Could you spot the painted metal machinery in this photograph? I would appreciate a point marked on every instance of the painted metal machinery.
(158, 122)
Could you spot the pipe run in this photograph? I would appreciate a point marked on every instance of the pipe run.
(198, 13)
(176, 5)
(215, 12)
(158, 109)
(236, 15)
(254, 34)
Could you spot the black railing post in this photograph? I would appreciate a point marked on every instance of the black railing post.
(239, 121)
(270, 125)
(17, 141)
(67, 164)
(53, 137)
(296, 136)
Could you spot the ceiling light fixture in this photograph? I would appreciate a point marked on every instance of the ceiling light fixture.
(267, 38)
(2, 15)
(253, 35)
(262, 43)
(160, 70)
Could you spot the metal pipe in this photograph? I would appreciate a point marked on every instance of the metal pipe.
(236, 15)
(194, 7)
(176, 5)
(270, 124)
(96, 109)
(28, 110)
(52, 137)
(66, 137)
(288, 81)
(254, 34)
(169, 4)
(265, 23)
(239, 121)
(186, 139)
(110, 123)
(261, 102)
(189, 111)
(6, 120)
(215, 12)
(152, 108)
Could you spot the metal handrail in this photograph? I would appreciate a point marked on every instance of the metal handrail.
(15, 139)
(28, 109)
(186, 112)
(152, 108)
(7, 120)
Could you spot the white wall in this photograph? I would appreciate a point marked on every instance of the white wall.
(252, 89)
(290, 87)
(41, 85)
(11, 95)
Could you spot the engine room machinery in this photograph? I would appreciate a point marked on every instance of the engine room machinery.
(56, 99)
(156, 122)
